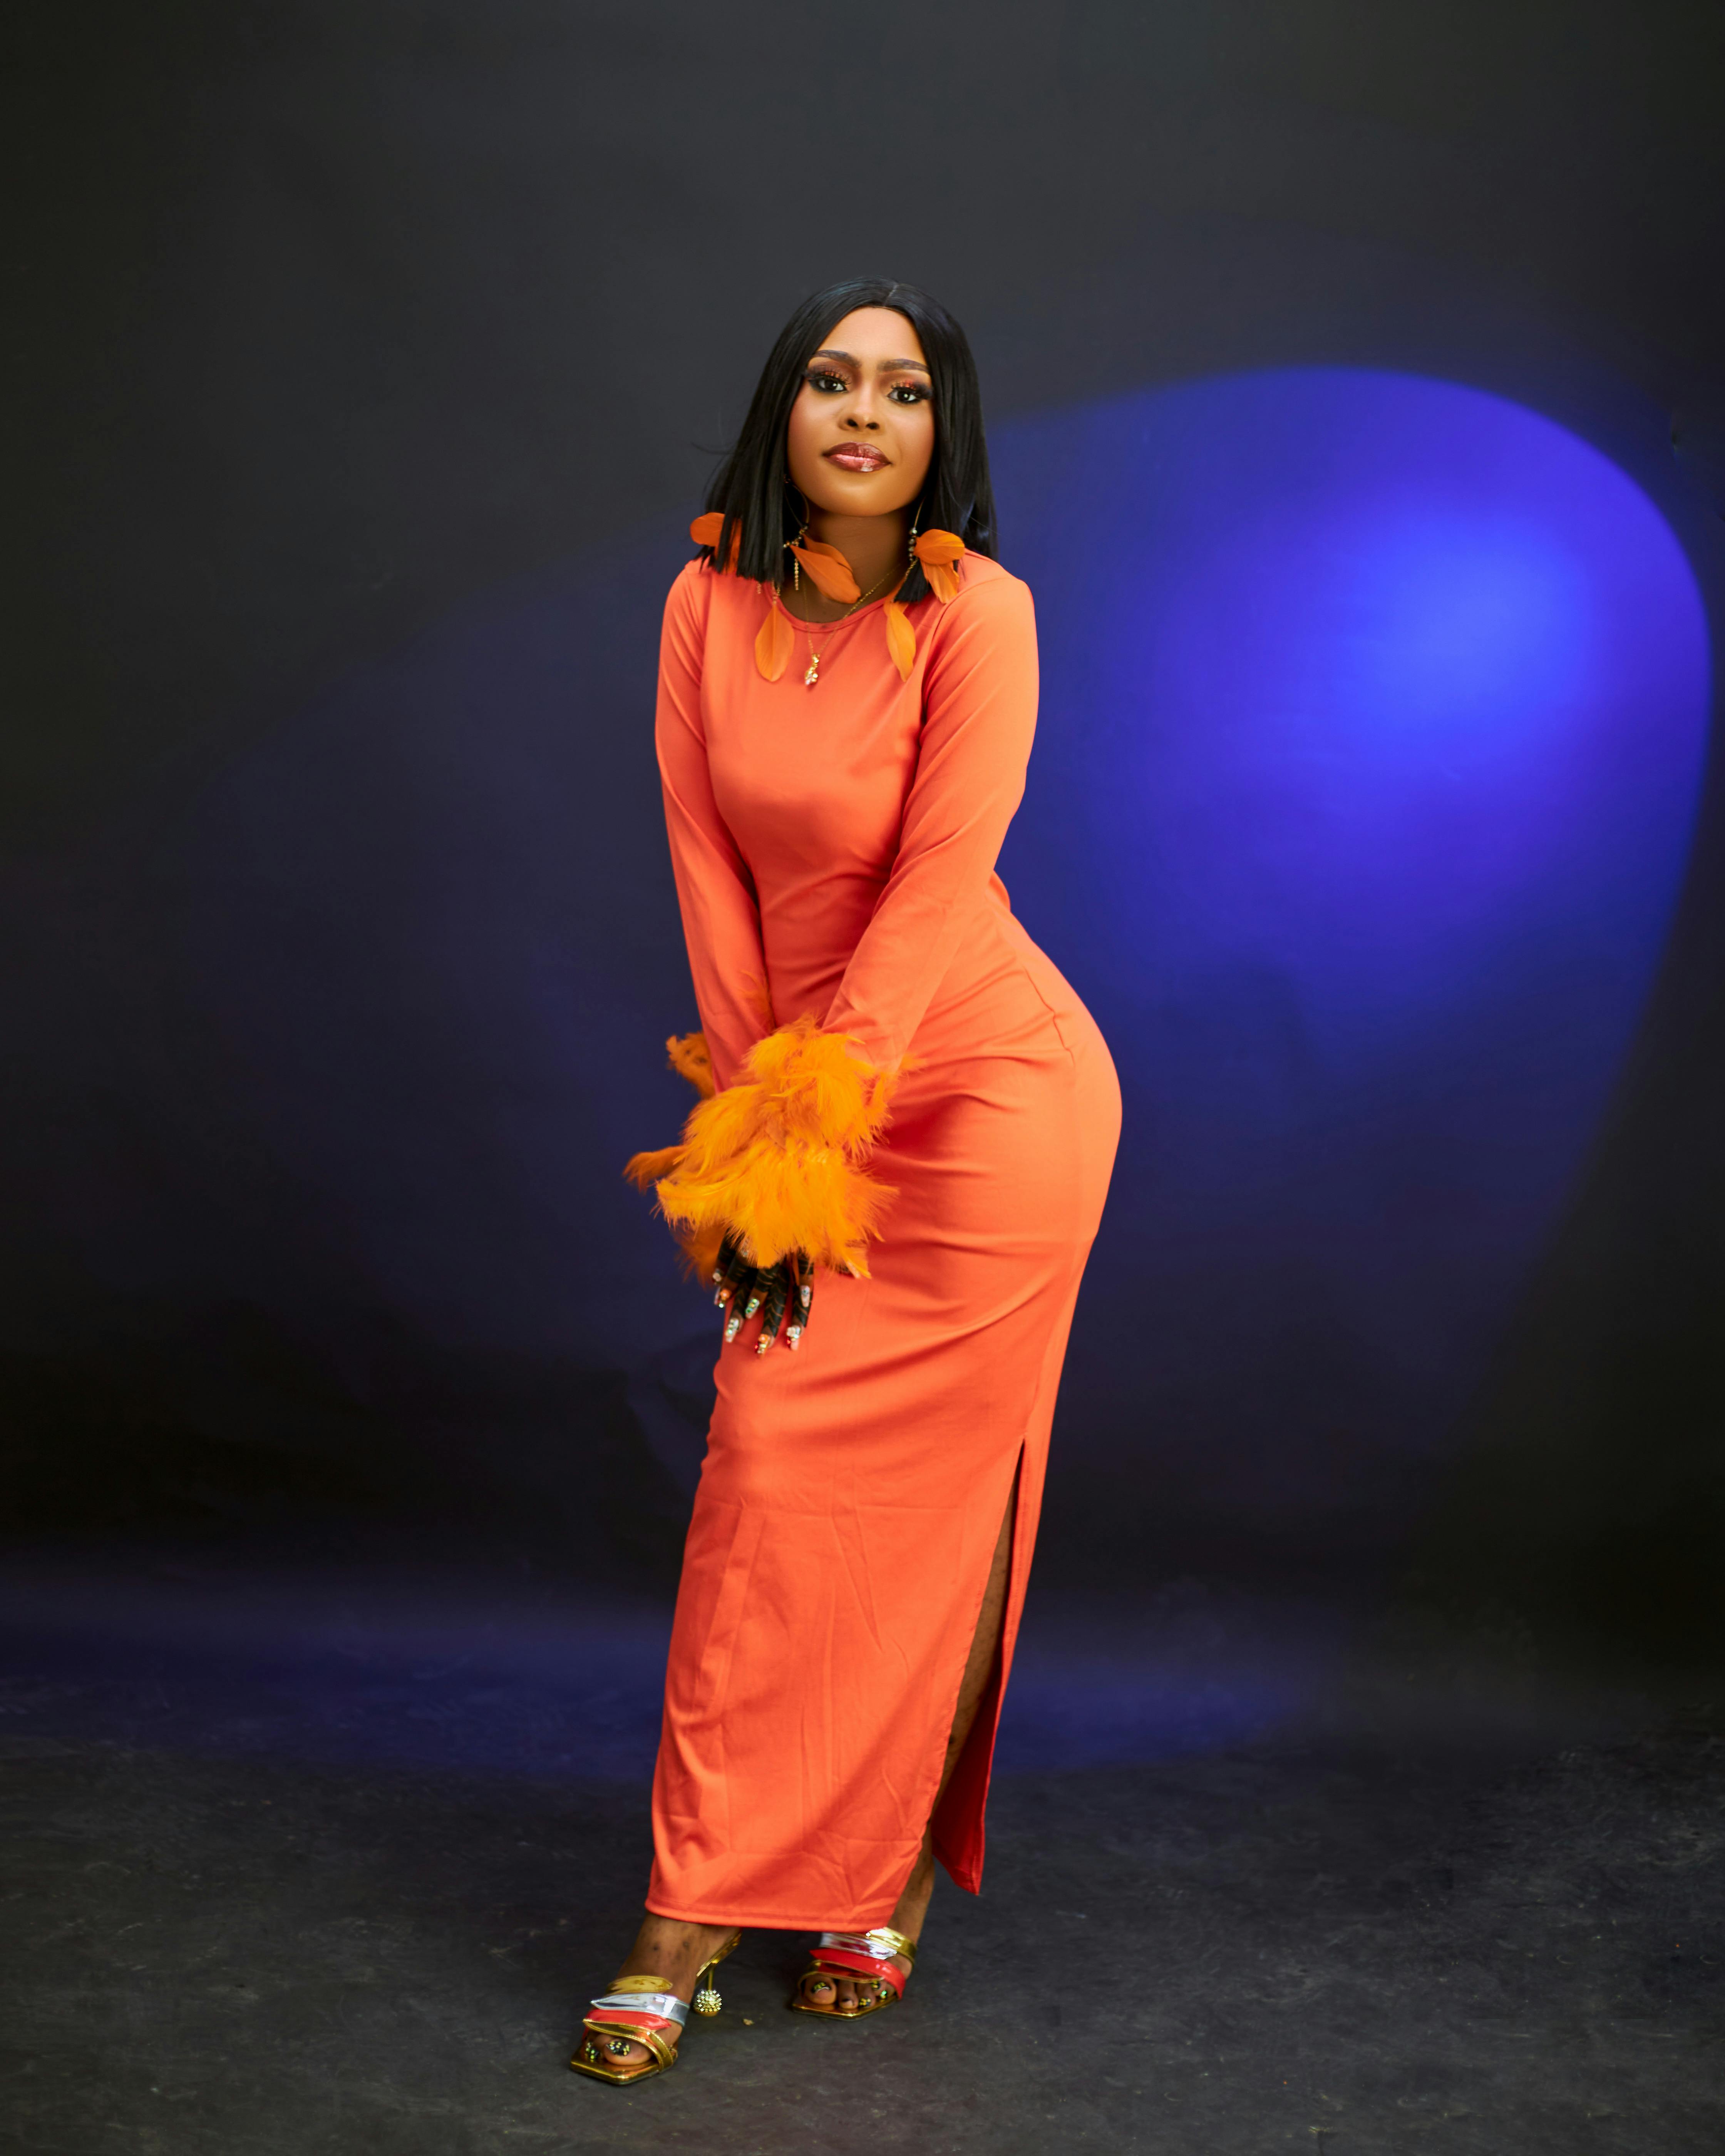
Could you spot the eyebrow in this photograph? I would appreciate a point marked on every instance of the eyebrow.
(829, 351)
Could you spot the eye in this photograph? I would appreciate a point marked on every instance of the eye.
(908, 393)
(825, 382)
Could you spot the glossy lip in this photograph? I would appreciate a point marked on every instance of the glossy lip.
(857, 456)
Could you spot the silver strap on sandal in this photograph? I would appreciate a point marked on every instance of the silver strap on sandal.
(664, 2003)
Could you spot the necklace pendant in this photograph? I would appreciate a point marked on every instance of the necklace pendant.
(811, 680)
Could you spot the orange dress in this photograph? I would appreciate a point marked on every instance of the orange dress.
(834, 851)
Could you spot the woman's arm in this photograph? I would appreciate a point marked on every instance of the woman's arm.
(716, 892)
(979, 716)
(777, 1159)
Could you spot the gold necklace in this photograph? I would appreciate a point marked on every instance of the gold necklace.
(811, 680)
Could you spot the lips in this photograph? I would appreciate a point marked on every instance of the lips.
(857, 457)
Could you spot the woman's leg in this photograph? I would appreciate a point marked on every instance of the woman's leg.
(984, 1646)
(666, 1947)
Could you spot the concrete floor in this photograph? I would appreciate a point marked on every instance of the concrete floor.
(1376, 1927)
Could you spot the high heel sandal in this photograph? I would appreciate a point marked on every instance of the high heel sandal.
(643, 2009)
(868, 1955)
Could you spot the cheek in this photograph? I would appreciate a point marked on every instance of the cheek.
(802, 428)
(916, 443)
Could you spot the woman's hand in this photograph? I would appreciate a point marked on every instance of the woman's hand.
(779, 1292)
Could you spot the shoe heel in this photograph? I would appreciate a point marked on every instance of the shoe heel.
(706, 1999)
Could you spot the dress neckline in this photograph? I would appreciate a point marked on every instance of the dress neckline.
(827, 627)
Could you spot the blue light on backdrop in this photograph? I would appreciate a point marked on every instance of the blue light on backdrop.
(1366, 676)
(1373, 720)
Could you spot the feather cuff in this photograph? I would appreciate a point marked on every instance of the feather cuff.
(777, 1160)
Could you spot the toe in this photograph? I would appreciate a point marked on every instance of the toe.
(613, 2051)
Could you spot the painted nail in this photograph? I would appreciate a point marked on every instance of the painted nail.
(733, 1329)
(808, 1295)
(754, 1305)
(796, 1337)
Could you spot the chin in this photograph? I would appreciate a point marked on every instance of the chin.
(862, 499)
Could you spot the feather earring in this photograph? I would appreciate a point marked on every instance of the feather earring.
(706, 531)
(828, 571)
(939, 554)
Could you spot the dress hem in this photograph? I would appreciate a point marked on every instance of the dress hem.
(828, 1923)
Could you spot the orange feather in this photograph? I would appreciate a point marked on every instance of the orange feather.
(940, 553)
(778, 1160)
(691, 1059)
(828, 570)
(704, 531)
(901, 638)
(772, 644)
(644, 1169)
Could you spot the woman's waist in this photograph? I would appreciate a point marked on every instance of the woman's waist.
(998, 987)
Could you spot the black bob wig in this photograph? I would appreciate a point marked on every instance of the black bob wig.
(752, 489)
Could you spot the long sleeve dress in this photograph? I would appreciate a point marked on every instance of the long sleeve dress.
(834, 851)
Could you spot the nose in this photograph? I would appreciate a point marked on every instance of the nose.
(860, 418)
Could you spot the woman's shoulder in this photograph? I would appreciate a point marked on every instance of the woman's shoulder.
(698, 592)
(990, 588)
(690, 588)
(988, 597)
(981, 569)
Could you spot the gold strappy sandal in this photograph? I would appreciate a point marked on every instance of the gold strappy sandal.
(644, 2010)
(866, 1958)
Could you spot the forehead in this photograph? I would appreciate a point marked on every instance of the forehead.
(875, 334)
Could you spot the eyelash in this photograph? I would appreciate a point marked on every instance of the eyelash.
(908, 393)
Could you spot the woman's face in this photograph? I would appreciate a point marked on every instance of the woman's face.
(861, 433)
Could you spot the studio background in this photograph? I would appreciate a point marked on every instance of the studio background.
(1356, 384)
(366, 366)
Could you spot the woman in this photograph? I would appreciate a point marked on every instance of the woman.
(893, 1183)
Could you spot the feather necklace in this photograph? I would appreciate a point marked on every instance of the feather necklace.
(811, 680)
(939, 552)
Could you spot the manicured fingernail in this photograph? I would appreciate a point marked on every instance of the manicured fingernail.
(808, 1295)
(733, 1329)
(716, 1274)
(754, 1305)
(796, 1338)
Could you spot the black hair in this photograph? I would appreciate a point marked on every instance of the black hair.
(761, 508)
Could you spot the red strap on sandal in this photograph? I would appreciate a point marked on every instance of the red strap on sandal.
(841, 1960)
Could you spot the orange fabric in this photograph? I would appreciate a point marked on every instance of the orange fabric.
(835, 848)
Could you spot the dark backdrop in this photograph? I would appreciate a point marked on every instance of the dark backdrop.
(365, 364)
